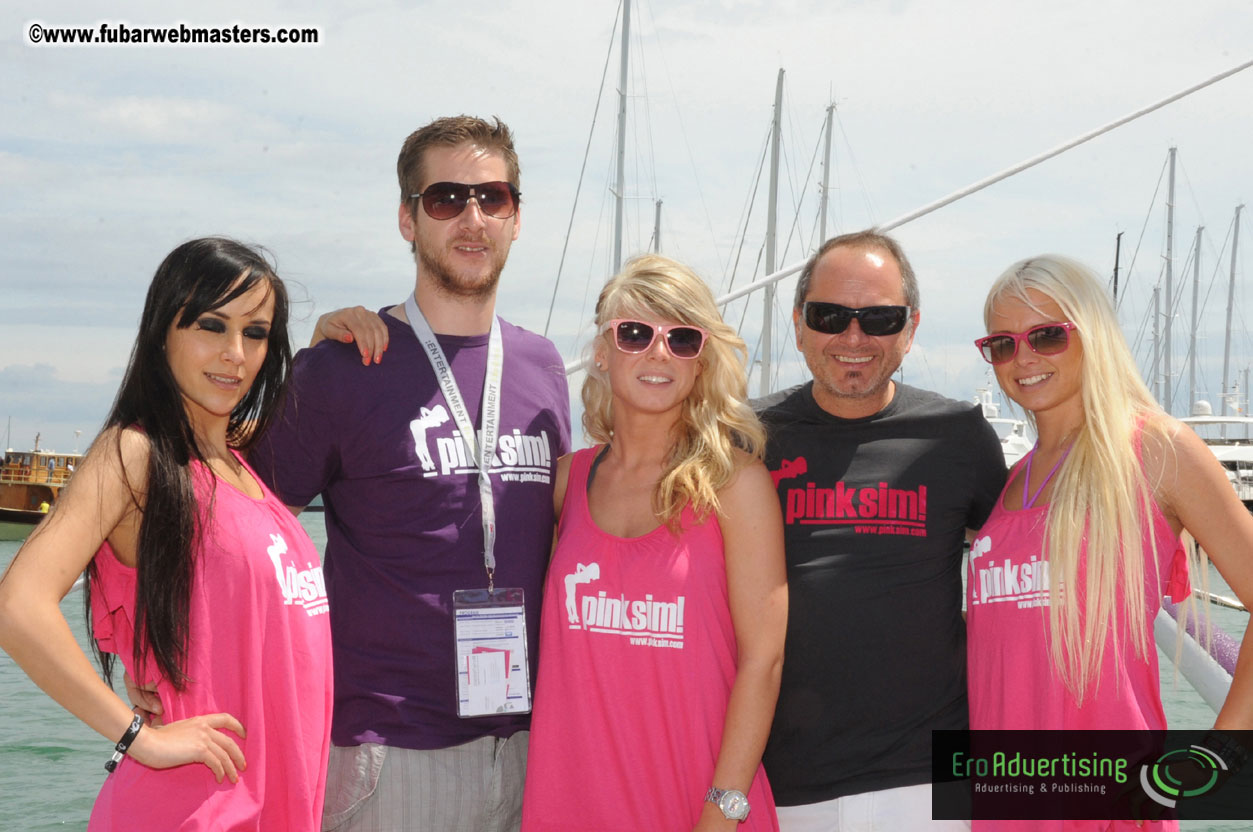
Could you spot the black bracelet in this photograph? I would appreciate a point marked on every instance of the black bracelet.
(1225, 746)
(124, 744)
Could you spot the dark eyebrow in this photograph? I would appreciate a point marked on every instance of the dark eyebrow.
(222, 316)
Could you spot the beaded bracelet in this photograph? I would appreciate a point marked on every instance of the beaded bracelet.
(119, 750)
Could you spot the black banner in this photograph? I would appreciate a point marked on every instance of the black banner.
(1097, 775)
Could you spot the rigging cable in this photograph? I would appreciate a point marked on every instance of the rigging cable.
(983, 183)
(748, 213)
(582, 169)
(1140, 240)
(870, 207)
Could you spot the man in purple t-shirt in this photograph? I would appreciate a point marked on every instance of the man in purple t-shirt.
(384, 443)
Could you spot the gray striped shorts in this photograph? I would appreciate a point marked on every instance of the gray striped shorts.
(476, 787)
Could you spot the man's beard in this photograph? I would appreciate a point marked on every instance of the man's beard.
(447, 282)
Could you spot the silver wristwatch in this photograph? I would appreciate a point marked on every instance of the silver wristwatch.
(732, 803)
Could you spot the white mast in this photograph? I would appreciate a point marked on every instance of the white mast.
(1170, 298)
(1246, 398)
(622, 93)
(767, 318)
(657, 229)
(826, 178)
(1231, 297)
(1196, 292)
(1157, 343)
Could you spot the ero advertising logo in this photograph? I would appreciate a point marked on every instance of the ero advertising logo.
(1189, 772)
(1097, 775)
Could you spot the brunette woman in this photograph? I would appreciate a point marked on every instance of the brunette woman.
(200, 580)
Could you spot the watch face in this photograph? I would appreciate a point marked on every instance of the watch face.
(734, 805)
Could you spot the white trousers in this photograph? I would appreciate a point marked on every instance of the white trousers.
(904, 809)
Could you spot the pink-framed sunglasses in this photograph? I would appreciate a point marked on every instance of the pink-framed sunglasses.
(1045, 339)
(633, 337)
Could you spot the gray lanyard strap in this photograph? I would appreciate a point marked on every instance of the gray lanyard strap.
(461, 415)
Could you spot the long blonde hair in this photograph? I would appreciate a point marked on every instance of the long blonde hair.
(715, 418)
(1102, 499)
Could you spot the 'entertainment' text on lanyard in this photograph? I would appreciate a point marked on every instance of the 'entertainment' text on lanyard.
(481, 453)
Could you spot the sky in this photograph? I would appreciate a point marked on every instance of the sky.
(110, 156)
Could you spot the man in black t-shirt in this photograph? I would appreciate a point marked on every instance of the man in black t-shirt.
(878, 482)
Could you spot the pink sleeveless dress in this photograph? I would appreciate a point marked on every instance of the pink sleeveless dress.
(637, 659)
(1012, 684)
(259, 649)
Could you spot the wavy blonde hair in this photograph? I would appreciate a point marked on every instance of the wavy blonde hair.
(1102, 498)
(715, 420)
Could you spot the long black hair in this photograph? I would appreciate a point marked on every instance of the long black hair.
(198, 276)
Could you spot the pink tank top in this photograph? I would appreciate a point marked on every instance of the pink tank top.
(637, 659)
(1012, 684)
(259, 649)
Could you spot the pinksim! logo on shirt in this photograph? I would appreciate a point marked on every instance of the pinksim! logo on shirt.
(647, 622)
(299, 586)
(996, 581)
(878, 509)
(519, 457)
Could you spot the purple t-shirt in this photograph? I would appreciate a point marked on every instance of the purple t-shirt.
(403, 520)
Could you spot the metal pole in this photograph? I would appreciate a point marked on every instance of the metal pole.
(622, 91)
(1196, 294)
(1170, 297)
(1246, 399)
(1117, 257)
(657, 229)
(767, 314)
(1231, 297)
(1157, 343)
(826, 178)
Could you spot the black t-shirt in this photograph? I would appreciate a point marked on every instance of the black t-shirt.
(875, 513)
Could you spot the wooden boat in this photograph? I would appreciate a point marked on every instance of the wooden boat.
(30, 482)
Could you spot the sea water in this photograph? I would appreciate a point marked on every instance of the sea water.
(51, 765)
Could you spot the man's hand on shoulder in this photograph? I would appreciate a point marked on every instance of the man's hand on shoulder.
(354, 324)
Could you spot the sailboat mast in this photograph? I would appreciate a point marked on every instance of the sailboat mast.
(826, 178)
(1196, 293)
(1246, 398)
(767, 314)
(622, 107)
(1231, 297)
(1117, 257)
(1157, 343)
(1170, 297)
(657, 229)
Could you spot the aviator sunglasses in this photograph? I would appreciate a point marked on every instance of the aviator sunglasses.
(445, 200)
(1045, 339)
(832, 319)
(633, 337)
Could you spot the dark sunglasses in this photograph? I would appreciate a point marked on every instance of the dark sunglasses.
(1045, 339)
(445, 200)
(682, 340)
(832, 319)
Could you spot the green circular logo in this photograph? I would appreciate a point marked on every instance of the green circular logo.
(1163, 785)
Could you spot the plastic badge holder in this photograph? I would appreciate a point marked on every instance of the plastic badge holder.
(493, 673)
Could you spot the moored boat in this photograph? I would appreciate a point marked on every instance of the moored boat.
(1015, 434)
(1231, 440)
(30, 482)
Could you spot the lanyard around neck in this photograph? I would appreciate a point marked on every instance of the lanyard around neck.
(490, 411)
